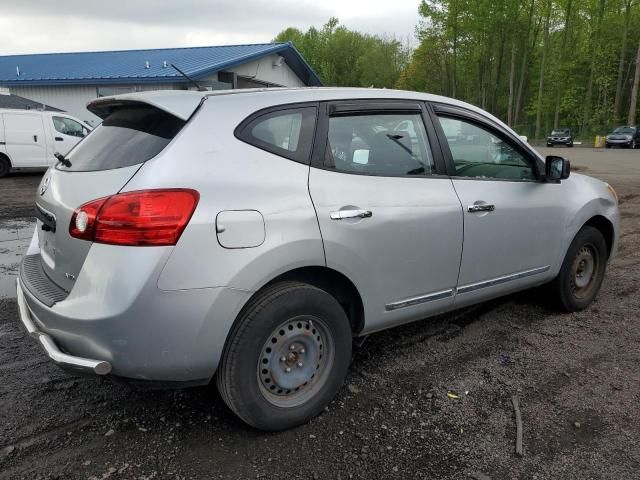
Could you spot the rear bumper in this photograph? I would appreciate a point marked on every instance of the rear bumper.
(98, 367)
(116, 321)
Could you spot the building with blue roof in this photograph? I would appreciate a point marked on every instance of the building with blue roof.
(69, 80)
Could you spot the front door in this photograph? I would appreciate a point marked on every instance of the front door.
(66, 133)
(511, 219)
(25, 140)
(389, 219)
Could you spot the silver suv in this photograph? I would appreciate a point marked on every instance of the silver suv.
(249, 236)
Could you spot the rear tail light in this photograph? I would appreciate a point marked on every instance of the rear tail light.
(142, 218)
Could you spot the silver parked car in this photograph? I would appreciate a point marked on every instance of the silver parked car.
(249, 236)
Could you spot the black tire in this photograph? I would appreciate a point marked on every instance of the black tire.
(570, 145)
(241, 374)
(568, 288)
(607, 146)
(5, 166)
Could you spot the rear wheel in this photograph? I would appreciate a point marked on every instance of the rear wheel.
(582, 272)
(5, 166)
(286, 357)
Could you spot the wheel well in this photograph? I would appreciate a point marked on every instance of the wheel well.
(606, 229)
(6, 157)
(334, 283)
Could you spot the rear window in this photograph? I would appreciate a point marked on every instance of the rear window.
(128, 136)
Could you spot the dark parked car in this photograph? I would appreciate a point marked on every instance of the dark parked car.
(624, 137)
(560, 136)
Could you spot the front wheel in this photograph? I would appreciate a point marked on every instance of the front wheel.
(582, 271)
(286, 357)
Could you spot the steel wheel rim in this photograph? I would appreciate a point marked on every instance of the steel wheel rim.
(584, 270)
(295, 361)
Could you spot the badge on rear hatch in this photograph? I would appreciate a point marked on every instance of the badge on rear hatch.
(45, 185)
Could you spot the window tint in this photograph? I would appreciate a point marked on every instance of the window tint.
(479, 153)
(282, 131)
(128, 136)
(66, 126)
(379, 144)
(288, 133)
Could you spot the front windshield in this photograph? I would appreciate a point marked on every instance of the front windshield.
(623, 130)
(560, 132)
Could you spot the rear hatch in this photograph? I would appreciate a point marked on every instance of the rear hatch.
(99, 166)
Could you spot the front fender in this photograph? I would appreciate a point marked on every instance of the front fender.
(588, 198)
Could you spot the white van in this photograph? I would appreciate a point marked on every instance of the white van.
(29, 138)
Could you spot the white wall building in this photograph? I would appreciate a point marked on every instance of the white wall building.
(69, 80)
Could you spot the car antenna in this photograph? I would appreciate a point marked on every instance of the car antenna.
(200, 89)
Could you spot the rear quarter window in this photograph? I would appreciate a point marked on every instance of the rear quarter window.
(287, 132)
(128, 136)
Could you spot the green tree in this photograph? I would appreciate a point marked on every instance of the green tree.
(344, 57)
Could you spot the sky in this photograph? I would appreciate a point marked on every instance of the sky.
(42, 26)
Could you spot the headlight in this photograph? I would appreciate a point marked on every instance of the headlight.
(608, 137)
(628, 137)
(613, 192)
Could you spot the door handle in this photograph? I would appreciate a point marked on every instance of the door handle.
(35, 138)
(482, 208)
(59, 139)
(353, 213)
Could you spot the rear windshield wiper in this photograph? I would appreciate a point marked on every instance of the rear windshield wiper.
(61, 159)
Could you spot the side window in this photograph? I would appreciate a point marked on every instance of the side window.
(59, 125)
(479, 153)
(66, 126)
(379, 144)
(288, 133)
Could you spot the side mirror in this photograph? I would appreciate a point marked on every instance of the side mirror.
(557, 168)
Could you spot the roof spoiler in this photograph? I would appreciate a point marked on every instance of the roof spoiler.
(181, 104)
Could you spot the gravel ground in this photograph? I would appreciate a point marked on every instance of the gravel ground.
(576, 375)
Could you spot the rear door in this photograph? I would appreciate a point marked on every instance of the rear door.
(390, 220)
(100, 166)
(25, 139)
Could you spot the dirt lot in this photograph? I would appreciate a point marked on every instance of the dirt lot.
(577, 376)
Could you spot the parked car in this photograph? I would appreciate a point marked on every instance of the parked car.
(30, 138)
(628, 136)
(183, 241)
(560, 136)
